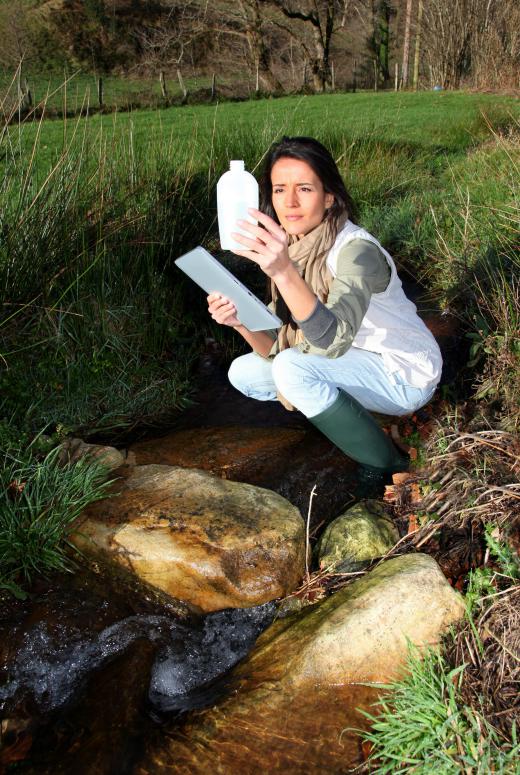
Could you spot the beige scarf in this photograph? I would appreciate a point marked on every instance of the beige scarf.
(309, 255)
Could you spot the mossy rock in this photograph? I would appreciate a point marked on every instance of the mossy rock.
(358, 536)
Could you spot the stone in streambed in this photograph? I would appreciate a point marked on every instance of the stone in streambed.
(361, 534)
(206, 541)
(74, 449)
(238, 453)
(297, 691)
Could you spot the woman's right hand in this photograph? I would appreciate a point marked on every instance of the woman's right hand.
(222, 310)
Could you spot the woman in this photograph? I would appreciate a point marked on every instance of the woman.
(351, 342)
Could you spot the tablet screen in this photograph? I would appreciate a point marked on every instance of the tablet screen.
(212, 276)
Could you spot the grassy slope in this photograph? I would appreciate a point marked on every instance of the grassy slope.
(78, 90)
(93, 236)
(441, 121)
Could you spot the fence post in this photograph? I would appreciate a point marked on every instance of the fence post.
(354, 83)
(162, 81)
(213, 87)
(28, 95)
(183, 87)
(333, 76)
(375, 75)
(396, 84)
(100, 91)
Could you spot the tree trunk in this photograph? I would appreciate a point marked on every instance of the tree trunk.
(260, 52)
(320, 64)
(384, 40)
(406, 44)
(417, 46)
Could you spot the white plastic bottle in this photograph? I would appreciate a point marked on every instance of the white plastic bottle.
(236, 191)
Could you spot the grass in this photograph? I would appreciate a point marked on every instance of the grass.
(422, 726)
(72, 91)
(98, 332)
(39, 500)
(455, 709)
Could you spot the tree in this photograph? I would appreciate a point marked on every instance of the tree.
(406, 44)
(165, 38)
(322, 18)
(417, 52)
(449, 26)
(379, 40)
(250, 21)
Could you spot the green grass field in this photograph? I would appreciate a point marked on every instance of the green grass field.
(75, 90)
(437, 122)
(99, 331)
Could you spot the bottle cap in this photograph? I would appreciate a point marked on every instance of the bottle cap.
(236, 165)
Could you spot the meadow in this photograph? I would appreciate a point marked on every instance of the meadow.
(99, 332)
(73, 91)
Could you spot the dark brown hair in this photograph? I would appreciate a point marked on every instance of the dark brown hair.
(315, 154)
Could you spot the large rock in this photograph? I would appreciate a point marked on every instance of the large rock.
(209, 542)
(297, 691)
(238, 453)
(289, 461)
(361, 534)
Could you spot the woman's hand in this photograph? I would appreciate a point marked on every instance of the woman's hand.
(222, 310)
(266, 247)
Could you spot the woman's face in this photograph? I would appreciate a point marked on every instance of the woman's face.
(298, 197)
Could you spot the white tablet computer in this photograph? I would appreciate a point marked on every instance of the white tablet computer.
(209, 273)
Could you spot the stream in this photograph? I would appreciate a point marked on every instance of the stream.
(90, 672)
(76, 643)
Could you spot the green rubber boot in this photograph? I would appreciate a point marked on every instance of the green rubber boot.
(355, 432)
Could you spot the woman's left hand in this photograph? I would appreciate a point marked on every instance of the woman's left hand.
(266, 247)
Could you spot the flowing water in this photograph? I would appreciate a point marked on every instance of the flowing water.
(51, 665)
(98, 680)
(61, 649)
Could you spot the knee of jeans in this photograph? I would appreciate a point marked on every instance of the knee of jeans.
(237, 375)
(289, 370)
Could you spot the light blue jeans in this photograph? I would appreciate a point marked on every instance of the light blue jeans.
(311, 382)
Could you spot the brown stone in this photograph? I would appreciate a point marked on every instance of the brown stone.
(363, 533)
(206, 541)
(298, 690)
(74, 449)
(230, 452)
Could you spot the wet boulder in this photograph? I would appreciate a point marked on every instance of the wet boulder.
(361, 534)
(289, 461)
(295, 696)
(206, 541)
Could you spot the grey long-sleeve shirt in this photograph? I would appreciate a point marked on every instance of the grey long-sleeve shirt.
(361, 270)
